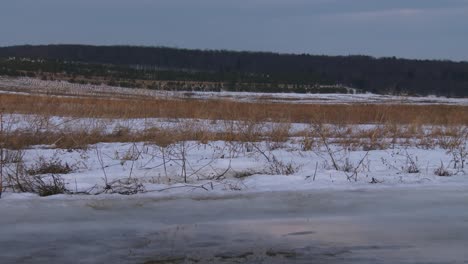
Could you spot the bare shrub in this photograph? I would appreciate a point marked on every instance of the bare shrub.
(456, 145)
(47, 185)
(51, 166)
(121, 131)
(347, 165)
(352, 170)
(322, 131)
(307, 143)
(277, 167)
(132, 154)
(127, 186)
(243, 174)
(19, 181)
(409, 166)
(442, 171)
(277, 134)
(12, 156)
(230, 186)
(248, 131)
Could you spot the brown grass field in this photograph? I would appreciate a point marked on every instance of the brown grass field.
(398, 121)
(217, 109)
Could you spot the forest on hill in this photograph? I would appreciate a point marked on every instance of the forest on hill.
(268, 72)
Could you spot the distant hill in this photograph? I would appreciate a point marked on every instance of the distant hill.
(379, 75)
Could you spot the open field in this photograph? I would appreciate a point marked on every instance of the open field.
(26, 85)
(95, 144)
(217, 109)
(124, 167)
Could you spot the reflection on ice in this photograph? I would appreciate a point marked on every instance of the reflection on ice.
(406, 225)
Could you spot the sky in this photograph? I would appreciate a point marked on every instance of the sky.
(422, 29)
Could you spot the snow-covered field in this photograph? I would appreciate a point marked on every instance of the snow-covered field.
(226, 168)
(220, 167)
(299, 162)
(26, 85)
(232, 202)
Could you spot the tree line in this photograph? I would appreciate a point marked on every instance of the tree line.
(378, 75)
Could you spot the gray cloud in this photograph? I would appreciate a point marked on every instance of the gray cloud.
(404, 28)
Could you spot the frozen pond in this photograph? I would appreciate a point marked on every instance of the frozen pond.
(389, 225)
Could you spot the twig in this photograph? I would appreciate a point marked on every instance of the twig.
(185, 186)
(224, 173)
(318, 129)
(315, 173)
(101, 162)
(355, 173)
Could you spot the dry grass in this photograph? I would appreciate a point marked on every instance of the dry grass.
(231, 110)
(81, 139)
(396, 122)
(348, 136)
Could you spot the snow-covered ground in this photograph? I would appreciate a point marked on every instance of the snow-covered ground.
(330, 98)
(26, 85)
(222, 167)
(226, 168)
(32, 122)
(21, 122)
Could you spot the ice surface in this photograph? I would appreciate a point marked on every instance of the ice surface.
(393, 225)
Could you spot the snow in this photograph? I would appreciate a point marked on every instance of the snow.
(26, 85)
(220, 168)
(31, 122)
(224, 168)
(329, 98)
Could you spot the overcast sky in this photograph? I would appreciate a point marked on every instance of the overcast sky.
(432, 29)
